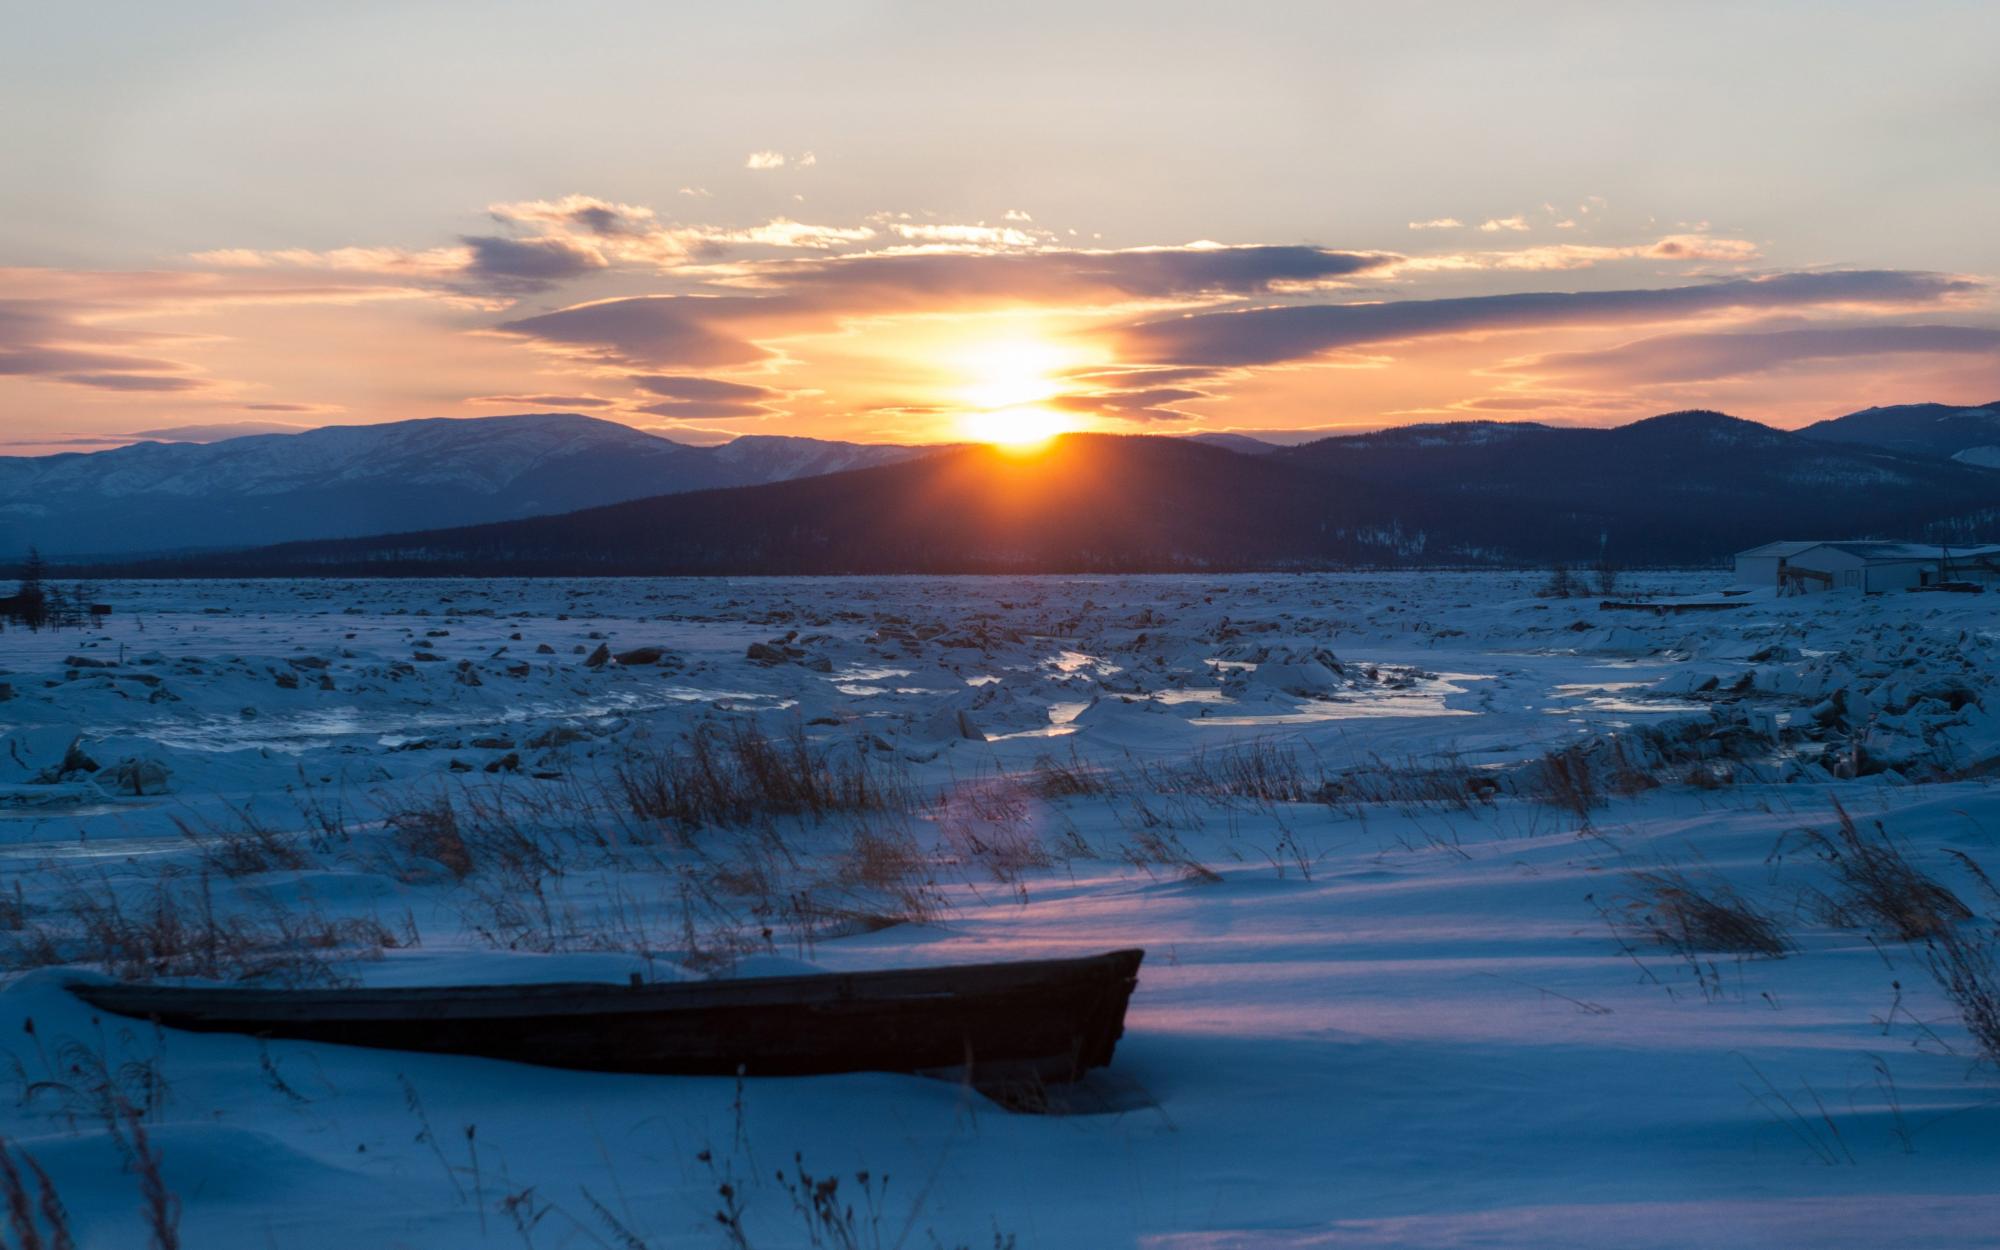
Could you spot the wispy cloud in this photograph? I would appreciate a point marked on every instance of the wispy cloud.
(136, 381)
(425, 263)
(768, 160)
(1438, 223)
(693, 398)
(1267, 336)
(1150, 404)
(783, 232)
(688, 387)
(216, 431)
(1670, 358)
(604, 218)
(532, 400)
(83, 328)
(980, 234)
(66, 341)
(1060, 274)
(654, 330)
(1494, 225)
(527, 265)
(553, 242)
(1702, 247)
(1560, 256)
(704, 410)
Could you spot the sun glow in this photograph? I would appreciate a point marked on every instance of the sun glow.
(1016, 429)
(1009, 385)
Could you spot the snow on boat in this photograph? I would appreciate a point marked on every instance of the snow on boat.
(998, 1025)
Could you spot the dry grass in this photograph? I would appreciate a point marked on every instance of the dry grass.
(1259, 771)
(173, 929)
(158, 1205)
(1443, 782)
(38, 1220)
(990, 822)
(524, 834)
(1565, 779)
(1964, 968)
(324, 814)
(240, 845)
(14, 909)
(1267, 774)
(887, 867)
(734, 776)
(1879, 887)
(1052, 778)
(83, 1080)
(426, 830)
(1156, 845)
(520, 833)
(1701, 917)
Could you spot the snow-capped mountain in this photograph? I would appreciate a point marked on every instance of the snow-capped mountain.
(779, 458)
(347, 481)
(1968, 433)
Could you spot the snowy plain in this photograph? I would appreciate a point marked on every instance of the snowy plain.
(1403, 985)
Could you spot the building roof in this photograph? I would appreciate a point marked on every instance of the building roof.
(1898, 553)
(1777, 549)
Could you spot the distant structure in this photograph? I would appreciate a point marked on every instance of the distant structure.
(1870, 567)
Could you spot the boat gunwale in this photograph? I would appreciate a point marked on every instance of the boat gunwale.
(865, 988)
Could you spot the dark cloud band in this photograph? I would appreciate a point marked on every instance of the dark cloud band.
(1266, 336)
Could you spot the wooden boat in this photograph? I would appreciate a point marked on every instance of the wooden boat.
(996, 1025)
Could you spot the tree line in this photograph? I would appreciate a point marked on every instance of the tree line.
(39, 604)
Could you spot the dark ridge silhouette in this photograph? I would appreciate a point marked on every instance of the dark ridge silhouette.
(1085, 503)
(1686, 488)
(1940, 430)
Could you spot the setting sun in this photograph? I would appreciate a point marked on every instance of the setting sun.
(1016, 428)
(1009, 383)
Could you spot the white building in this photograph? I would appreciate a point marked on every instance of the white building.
(1870, 567)
(1759, 566)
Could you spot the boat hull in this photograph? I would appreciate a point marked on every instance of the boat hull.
(1037, 1020)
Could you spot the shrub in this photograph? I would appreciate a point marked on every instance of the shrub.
(1562, 584)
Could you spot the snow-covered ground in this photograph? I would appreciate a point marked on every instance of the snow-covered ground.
(1382, 837)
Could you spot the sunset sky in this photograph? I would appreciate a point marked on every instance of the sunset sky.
(929, 222)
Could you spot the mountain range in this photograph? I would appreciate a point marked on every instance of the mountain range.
(1683, 488)
(346, 481)
(1967, 433)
